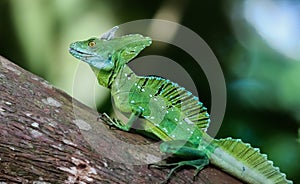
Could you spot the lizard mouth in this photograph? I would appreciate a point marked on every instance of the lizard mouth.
(75, 53)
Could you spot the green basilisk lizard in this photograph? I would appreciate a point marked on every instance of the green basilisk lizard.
(170, 112)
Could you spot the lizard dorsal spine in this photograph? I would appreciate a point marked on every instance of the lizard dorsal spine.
(246, 162)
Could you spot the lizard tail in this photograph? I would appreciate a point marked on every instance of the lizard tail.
(245, 162)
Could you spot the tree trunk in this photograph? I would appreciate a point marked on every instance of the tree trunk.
(46, 136)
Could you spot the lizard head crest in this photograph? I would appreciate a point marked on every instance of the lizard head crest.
(110, 34)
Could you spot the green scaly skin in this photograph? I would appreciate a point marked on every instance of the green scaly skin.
(170, 112)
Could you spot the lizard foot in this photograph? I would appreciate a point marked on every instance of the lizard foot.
(111, 122)
(199, 164)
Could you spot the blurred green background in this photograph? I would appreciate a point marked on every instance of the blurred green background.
(256, 42)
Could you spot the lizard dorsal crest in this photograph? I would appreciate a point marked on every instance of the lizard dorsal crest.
(249, 163)
(192, 111)
(191, 107)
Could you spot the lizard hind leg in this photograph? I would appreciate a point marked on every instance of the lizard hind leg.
(199, 164)
(188, 152)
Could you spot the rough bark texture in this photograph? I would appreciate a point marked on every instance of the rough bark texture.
(48, 137)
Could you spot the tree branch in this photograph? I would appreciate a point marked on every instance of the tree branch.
(47, 136)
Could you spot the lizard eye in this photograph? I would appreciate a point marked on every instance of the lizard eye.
(92, 44)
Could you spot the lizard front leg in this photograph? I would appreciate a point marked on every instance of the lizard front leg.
(119, 124)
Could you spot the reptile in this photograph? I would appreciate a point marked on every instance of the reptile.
(169, 111)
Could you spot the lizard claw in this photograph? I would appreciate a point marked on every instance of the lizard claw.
(111, 122)
(177, 166)
(107, 120)
(104, 117)
(198, 164)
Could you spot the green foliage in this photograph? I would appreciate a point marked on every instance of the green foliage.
(299, 135)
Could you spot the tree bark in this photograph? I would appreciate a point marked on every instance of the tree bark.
(46, 136)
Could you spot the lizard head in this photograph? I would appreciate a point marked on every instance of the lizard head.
(109, 51)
